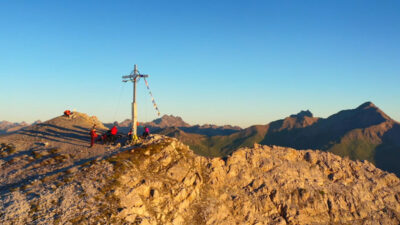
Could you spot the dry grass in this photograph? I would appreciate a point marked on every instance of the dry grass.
(47, 179)
(78, 220)
(36, 155)
(54, 150)
(67, 179)
(61, 157)
(7, 149)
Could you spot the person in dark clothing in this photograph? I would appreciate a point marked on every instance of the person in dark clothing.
(130, 134)
(110, 136)
(104, 136)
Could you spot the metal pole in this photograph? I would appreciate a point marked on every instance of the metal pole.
(133, 77)
(135, 73)
(134, 106)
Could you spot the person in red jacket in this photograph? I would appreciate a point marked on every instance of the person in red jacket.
(67, 113)
(93, 136)
(114, 130)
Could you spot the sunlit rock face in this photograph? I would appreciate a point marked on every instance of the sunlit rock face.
(162, 181)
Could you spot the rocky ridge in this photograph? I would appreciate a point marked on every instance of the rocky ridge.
(163, 182)
(9, 127)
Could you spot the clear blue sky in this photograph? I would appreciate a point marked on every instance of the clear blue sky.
(221, 62)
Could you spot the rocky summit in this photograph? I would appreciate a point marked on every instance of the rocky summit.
(161, 181)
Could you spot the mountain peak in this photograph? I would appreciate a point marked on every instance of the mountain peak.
(168, 121)
(165, 117)
(367, 105)
(372, 111)
(303, 114)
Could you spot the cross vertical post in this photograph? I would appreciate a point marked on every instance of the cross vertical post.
(134, 106)
(134, 77)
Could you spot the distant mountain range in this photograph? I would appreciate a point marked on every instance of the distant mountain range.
(9, 127)
(363, 133)
(168, 122)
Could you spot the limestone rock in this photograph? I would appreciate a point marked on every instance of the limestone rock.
(164, 182)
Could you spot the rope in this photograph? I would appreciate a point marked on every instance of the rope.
(152, 98)
(118, 103)
(145, 111)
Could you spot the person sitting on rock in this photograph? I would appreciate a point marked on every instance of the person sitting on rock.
(146, 132)
(110, 135)
(67, 113)
(130, 134)
(114, 130)
(105, 137)
(93, 136)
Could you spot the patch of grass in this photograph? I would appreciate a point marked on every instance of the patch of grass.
(47, 179)
(322, 192)
(36, 155)
(35, 217)
(12, 150)
(46, 162)
(13, 160)
(88, 163)
(59, 184)
(54, 150)
(82, 195)
(14, 189)
(25, 187)
(34, 208)
(67, 179)
(355, 149)
(57, 221)
(78, 220)
(60, 158)
(7, 149)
